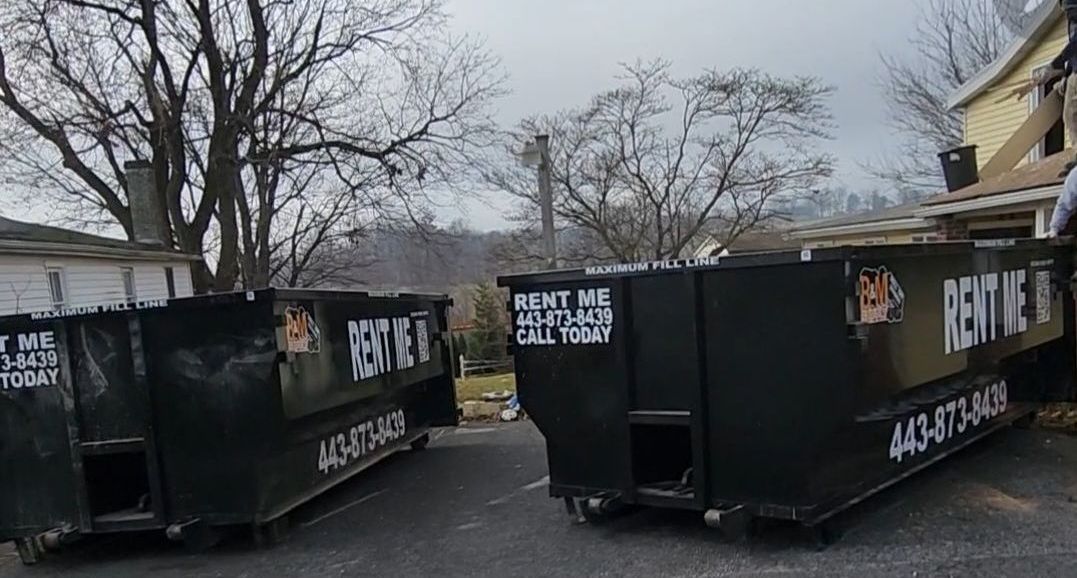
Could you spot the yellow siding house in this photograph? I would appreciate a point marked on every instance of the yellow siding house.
(1012, 203)
(991, 113)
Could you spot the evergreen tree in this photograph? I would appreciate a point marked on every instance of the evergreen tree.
(488, 339)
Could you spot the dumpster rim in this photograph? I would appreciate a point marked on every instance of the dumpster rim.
(785, 257)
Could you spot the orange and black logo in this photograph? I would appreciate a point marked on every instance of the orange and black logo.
(882, 300)
(302, 332)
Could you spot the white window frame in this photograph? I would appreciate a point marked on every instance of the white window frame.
(1034, 99)
(926, 238)
(170, 281)
(130, 293)
(61, 276)
(1043, 220)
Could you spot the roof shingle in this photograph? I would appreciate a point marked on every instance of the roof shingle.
(1043, 173)
(21, 232)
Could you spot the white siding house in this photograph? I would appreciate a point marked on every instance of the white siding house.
(44, 268)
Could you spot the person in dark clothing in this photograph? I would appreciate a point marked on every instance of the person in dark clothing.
(1066, 65)
(1066, 62)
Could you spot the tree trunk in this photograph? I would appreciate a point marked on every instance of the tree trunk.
(222, 182)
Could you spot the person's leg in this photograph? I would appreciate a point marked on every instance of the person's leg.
(1069, 109)
(1067, 89)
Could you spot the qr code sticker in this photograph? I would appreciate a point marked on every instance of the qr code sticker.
(1043, 297)
(423, 339)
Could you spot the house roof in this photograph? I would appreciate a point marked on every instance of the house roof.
(21, 237)
(1038, 25)
(896, 212)
(899, 217)
(754, 241)
(1037, 175)
(759, 241)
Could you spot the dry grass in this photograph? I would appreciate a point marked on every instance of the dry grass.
(472, 388)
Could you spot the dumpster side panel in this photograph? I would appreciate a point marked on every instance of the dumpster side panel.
(110, 404)
(955, 365)
(663, 358)
(572, 367)
(380, 377)
(364, 348)
(217, 402)
(37, 472)
(780, 369)
(960, 312)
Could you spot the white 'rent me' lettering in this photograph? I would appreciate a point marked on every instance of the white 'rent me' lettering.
(971, 308)
(371, 340)
(564, 317)
(29, 360)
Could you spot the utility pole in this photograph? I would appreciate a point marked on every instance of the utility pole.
(549, 242)
(537, 155)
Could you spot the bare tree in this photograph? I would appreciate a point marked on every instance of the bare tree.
(953, 41)
(519, 249)
(18, 292)
(316, 243)
(652, 164)
(227, 98)
(829, 201)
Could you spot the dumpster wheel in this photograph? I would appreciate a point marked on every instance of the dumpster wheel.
(196, 535)
(270, 533)
(734, 522)
(419, 443)
(1026, 421)
(30, 550)
(600, 510)
(825, 534)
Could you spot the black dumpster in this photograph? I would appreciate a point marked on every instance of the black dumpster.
(209, 411)
(784, 385)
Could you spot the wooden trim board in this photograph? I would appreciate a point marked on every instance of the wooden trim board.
(1027, 136)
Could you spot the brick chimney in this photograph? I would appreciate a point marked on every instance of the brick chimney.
(147, 216)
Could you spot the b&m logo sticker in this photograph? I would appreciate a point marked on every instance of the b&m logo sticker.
(882, 300)
(304, 335)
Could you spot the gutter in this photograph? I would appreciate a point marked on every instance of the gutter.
(903, 224)
(73, 250)
(1049, 193)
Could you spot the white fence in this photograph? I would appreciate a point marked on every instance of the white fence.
(484, 366)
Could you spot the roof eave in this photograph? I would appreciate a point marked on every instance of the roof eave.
(1025, 43)
(20, 247)
(902, 224)
(1046, 193)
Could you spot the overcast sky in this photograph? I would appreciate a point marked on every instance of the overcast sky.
(558, 53)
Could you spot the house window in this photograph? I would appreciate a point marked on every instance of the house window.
(128, 276)
(170, 280)
(57, 287)
(925, 238)
(1055, 139)
(1043, 220)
